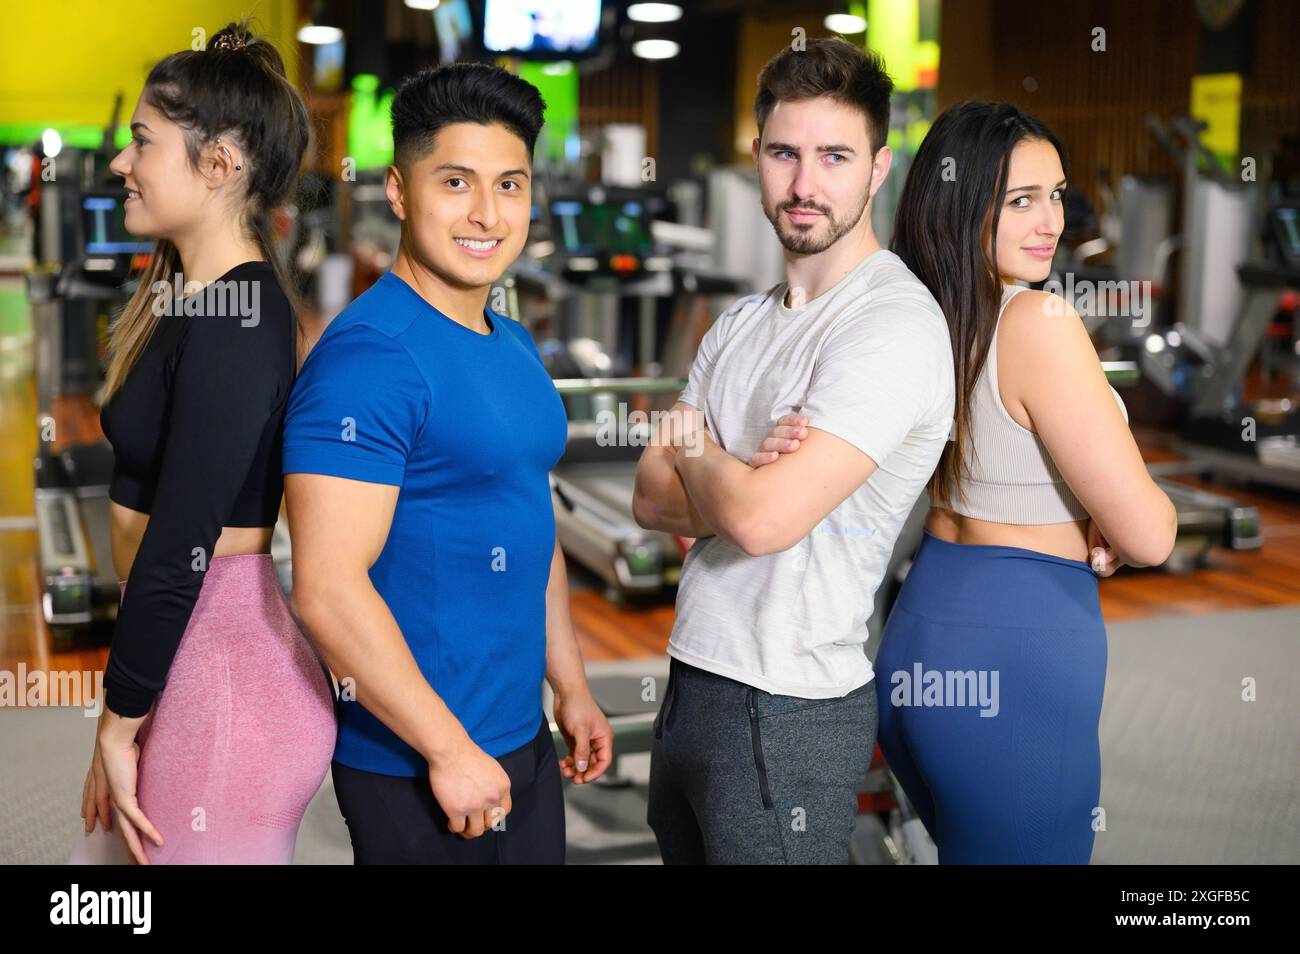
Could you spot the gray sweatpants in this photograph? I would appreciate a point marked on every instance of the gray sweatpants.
(742, 776)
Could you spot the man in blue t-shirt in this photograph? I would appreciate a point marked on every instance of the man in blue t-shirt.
(416, 450)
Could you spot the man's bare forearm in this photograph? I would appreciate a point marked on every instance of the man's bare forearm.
(363, 646)
(662, 500)
(717, 485)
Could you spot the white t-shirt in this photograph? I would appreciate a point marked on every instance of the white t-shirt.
(869, 361)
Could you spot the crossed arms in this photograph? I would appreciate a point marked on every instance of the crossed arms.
(688, 485)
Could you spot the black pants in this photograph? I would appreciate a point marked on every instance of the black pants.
(395, 820)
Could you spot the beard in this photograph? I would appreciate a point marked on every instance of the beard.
(803, 240)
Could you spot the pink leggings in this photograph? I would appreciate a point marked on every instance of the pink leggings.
(240, 739)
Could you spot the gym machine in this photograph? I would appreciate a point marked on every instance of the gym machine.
(612, 277)
(1141, 228)
(80, 281)
(1224, 435)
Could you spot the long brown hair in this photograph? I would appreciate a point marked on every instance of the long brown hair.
(946, 219)
(236, 88)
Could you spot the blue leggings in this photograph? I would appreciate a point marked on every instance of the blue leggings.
(989, 681)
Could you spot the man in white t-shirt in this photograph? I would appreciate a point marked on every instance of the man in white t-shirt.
(768, 724)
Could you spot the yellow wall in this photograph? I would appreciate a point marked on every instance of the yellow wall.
(62, 62)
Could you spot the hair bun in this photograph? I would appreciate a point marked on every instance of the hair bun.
(228, 40)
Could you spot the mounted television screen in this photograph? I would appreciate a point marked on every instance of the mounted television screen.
(103, 220)
(542, 28)
(602, 228)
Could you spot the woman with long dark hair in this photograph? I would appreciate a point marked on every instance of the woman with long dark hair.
(993, 662)
(218, 726)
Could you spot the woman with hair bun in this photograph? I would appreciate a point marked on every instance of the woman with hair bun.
(218, 723)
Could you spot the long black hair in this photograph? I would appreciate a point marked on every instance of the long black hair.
(945, 231)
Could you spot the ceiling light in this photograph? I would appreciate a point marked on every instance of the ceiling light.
(845, 23)
(655, 49)
(654, 12)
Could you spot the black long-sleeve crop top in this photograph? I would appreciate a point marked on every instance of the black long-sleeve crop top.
(196, 430)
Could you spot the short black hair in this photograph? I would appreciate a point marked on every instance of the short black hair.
(462, 93)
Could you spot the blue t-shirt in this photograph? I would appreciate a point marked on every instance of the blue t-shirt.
(467, 425)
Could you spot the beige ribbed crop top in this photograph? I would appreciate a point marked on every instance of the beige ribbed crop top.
(1012, 478)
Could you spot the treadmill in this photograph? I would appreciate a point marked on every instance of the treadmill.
(610, 273)
(592, 487)
(1205, 520)
(72, 309)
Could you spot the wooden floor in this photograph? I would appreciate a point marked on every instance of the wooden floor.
(1246, 580)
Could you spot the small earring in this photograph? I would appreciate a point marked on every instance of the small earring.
(237, 168)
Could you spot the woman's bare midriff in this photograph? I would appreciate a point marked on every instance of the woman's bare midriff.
(1068, 540)
(127, 530)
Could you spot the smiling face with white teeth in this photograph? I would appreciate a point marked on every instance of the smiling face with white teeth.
(465, 204)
